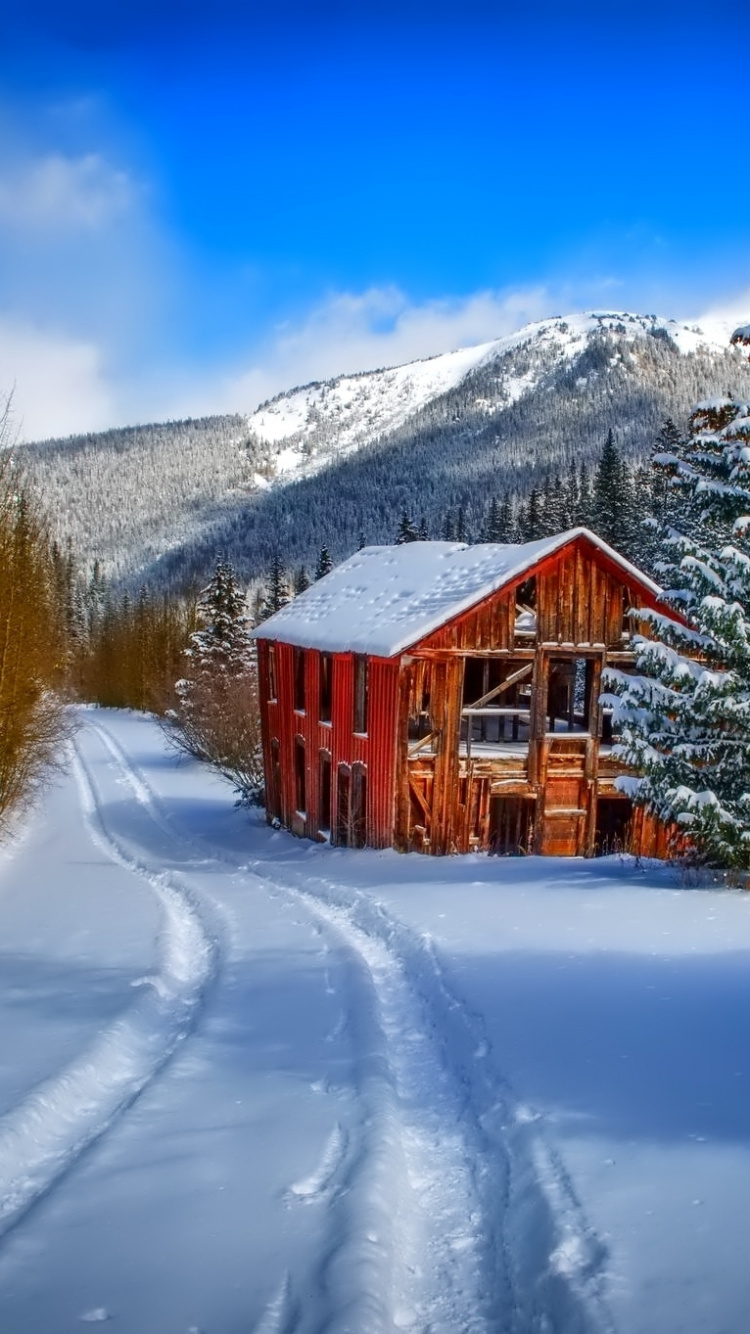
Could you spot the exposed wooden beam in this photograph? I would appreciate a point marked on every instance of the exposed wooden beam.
(421, 801)
(526, 670)
(414, 750)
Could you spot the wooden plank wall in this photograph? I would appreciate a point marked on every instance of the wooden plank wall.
(581, 600)
(376, 750)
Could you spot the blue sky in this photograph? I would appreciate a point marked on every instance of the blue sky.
(201, 204)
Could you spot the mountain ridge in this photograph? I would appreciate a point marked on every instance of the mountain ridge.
(333, 460)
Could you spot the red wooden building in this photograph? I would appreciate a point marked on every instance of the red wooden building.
(445, 698)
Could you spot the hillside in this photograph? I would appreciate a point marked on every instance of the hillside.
(331, 461)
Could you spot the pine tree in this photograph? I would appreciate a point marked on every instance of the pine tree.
(422, 533)
(664, 498)
(461, 529)
(552, 507)
(301, 581)
(532, 522)
(324, 564)
(491, 526)
(277, 593)
(585, 510)
(217, 716)
(684, 719)
(608, 484)
(504, 531)
(406, 530)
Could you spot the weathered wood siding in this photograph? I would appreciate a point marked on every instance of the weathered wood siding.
(437, 799)
(374, 750)
(443, 803)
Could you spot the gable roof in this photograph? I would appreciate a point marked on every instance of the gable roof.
(384, 599)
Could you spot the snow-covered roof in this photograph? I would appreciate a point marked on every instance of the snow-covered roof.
(384, 599)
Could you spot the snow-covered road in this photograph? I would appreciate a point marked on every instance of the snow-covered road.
(253, 1084)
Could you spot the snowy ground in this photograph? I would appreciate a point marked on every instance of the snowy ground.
(249, 1085)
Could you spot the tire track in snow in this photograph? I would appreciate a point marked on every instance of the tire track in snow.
(406, 1235)
(541, 1263)
(44, 1134)
(485, 1232)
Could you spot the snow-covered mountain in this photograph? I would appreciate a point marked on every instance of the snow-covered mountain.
(307, 427)
(331, 461)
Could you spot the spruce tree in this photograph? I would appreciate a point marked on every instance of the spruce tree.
(277, 592)
(406, 530)
(324, 564)
(532, 523)
(585, 510)
(504, 532)
(217, 716)
(684, 718)
(608, 486)
(301, 581)
(491, 524)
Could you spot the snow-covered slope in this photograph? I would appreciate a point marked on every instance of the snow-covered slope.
(308, 426)
(252, 1083)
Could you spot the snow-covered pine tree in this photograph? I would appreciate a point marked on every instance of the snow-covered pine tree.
(406, 531)
(683, 719)
(553, 513)
(491, 524)
(531, 518)
(301, 581)
(613, 499)
(324, 564)
(585, 500)
(277, 593)
(217, 716)
(504, 532)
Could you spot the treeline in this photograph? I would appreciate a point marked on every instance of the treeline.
(619, 501)
(33, 640)
(125, 652)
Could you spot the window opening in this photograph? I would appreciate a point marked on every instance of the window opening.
(360, 692)
(272, 672)
(342, 806)
(526, 615)
(326, 687)
(569, 695)
(613, 817)
(300, 775)
(511, 826)
(274, 804)
(496, 706)
(358, 812)
(324, 793)
(299, 680)
(420, 725)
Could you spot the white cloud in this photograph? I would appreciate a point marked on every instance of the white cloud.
(380, 327)
(57, 193)
(58, 383)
